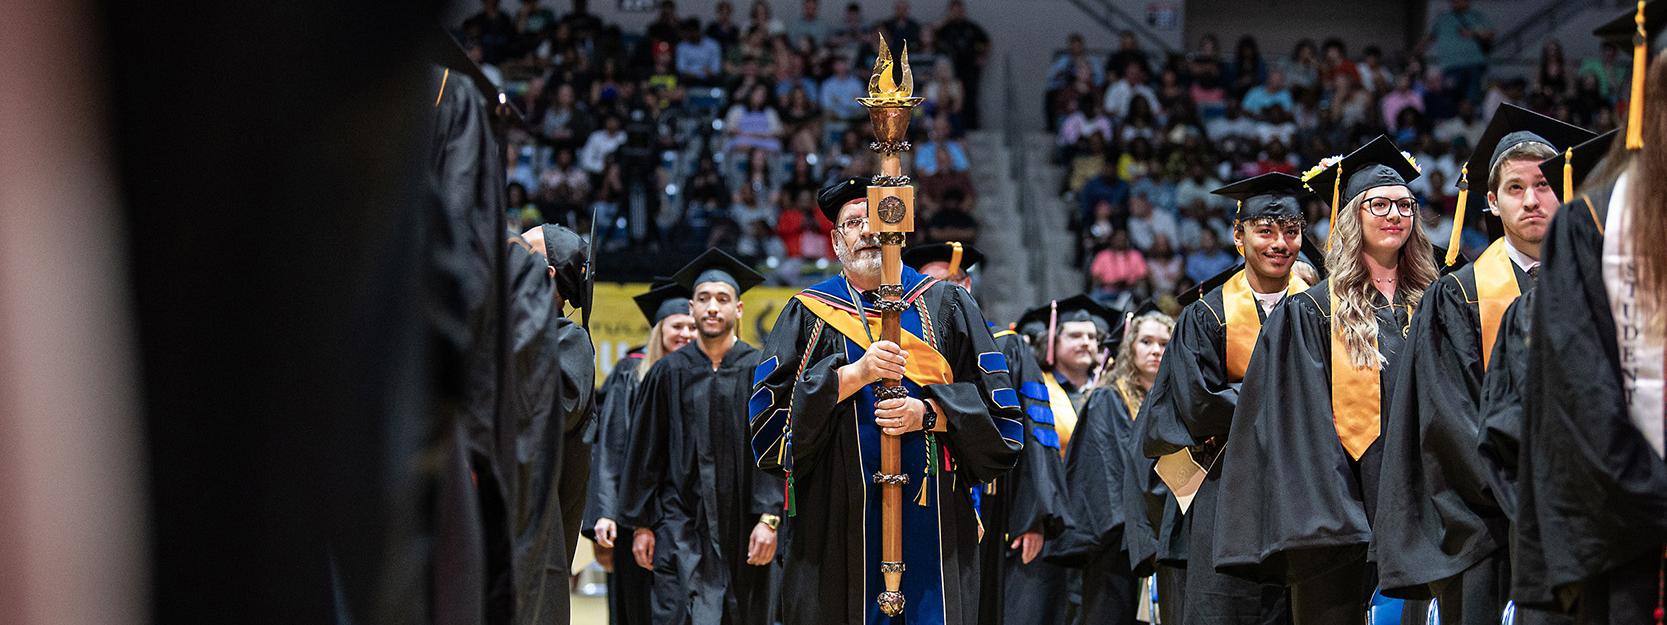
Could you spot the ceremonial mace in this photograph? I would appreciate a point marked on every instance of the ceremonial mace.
(891, 203)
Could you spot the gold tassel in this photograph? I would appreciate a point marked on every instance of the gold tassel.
(1458, 216)
(1236, 214)
(1568, 175)
(1336, 190)
(921, 500)
(1635, 108)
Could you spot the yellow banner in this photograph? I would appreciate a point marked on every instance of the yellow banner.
(616, 325)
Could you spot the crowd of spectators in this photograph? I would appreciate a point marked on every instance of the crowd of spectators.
(718, 130)
(1143, 138)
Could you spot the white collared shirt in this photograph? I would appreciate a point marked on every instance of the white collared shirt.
(1522, 260)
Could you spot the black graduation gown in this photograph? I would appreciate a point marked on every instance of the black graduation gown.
(1191, 403)
(472, 554)
(688, 474)
(1030, 498)
(1096, 467)
(1442, 520)
(554, 377)
(576, 411)
(1591, 493)
(1501, 438)
(629, 585)
(833, 557)
(1307, 510)
(1501, 407)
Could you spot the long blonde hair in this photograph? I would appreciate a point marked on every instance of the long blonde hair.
(1123, 374)
(1350, 279)
(655, 350)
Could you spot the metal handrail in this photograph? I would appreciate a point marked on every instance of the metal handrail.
(1012, 128)
(1115, 20)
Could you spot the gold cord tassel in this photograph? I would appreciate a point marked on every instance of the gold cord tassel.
(1635, 107)
(1236, 213)
(1458, 216)
(1336, 190)
(1568, 175)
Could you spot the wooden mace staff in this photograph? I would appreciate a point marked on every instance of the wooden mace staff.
(891, 203)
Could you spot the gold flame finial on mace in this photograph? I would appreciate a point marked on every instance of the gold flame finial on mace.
(885, 91)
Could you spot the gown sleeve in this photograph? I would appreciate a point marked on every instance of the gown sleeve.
(644, 477)
(1290, 517)
(980, 405)
(1036, 486)
(1440, 517)
(1501, 408)
(576, 378)
(1191, 399)
(1094, 471)
(791, 410)
(613, 429)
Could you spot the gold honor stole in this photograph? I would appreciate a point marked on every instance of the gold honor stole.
(1064, 412)
(926, 365)
(1356, 407)
(1496, 288)
(1243, 323)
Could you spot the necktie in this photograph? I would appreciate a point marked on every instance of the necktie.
(1534, 273)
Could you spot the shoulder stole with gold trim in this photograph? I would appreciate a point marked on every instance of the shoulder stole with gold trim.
(1356, 406)
(1496, 288)
(1243, 323)
(926, 365)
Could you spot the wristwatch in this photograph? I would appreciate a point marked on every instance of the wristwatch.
(770, 520)
(930, 420)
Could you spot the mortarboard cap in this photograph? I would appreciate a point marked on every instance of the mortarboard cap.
(1510, 127)
(569, 254)
(1075, 308)
(716, 266)
(835, 196)
(663, 301)
(960, 256)
(1275, 195)
(1569, 168)
(1379, 163)
(1649, 18)
(1621, 30)
(450, 55)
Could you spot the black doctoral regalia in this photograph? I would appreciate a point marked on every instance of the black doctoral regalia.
(1191, 408)
(1096, 467)
(1030, 498)
(1441, 531)
(689, 475)
(829, 448)
(1591, 492)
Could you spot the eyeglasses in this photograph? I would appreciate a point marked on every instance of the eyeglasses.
(854, 223)
(1380, 206)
